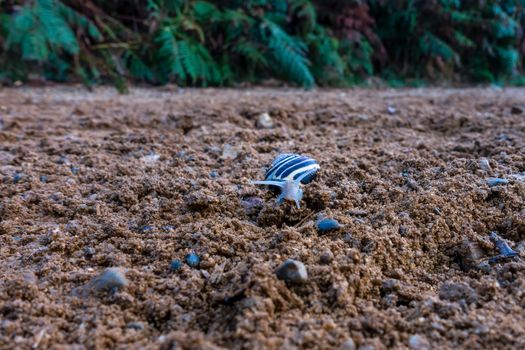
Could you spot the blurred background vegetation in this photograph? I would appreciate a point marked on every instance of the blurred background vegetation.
(226, 42)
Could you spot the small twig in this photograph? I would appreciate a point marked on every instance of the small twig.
(304, 219)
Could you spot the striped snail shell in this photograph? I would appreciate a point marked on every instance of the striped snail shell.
(288, 171)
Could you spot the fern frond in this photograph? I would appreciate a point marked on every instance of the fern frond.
(55, 28)
(189, 60)
(289, 53)
(251, 52)
(434, 46)
(137, 67)
(169, 54)
(462, 40)
(206, 12)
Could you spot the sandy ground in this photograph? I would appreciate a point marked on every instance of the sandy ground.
(91, 181)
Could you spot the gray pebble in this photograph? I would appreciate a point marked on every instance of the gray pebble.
(348, 344)
(369, 247)
(391, 110)
(292, 271)
(484, 164)
(252, 205)
(135, 325)
(89, 251)
(458, 291)
(367, 347)
(390, 285)
(265, 121)
(110, 280)
(229, 152)
(326, 257)
(418, 342)
(412, 184)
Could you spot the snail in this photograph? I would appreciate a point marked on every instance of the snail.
(288, 172)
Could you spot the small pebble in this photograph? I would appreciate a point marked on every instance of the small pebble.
(358, 212)
(292, 271)
(516, 110)
(327, 224)
(484, 266)
(495, 181)
(484, 164)
(391, 110)
(111, 280)
(43, 178)
(229, 152)
(403, 230)
(348, 344)
(150, 158)
(458, 291)
(265, 121)
(168, 227)
(30, 277)
(252, 205)
(390, 285)
(17, 177)
(326, 257)
(367, 347)
(136, 326)
(89, 251)
(74, 169)
(412, 184)
(193, 259)
(470, 253)
(214, 174)
(62, 160)
(175, 265)
(418, 342)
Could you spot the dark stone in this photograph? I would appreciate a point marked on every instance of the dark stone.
(453, 291)
(326, 257)
(292, 271)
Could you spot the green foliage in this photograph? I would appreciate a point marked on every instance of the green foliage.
(452, 39)
(288, 53)
(220, 42)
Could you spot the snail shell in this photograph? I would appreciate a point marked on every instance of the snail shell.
(288, 171)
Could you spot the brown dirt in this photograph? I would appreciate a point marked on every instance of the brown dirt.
(408, 186)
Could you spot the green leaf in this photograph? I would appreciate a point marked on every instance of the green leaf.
(289, 53)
